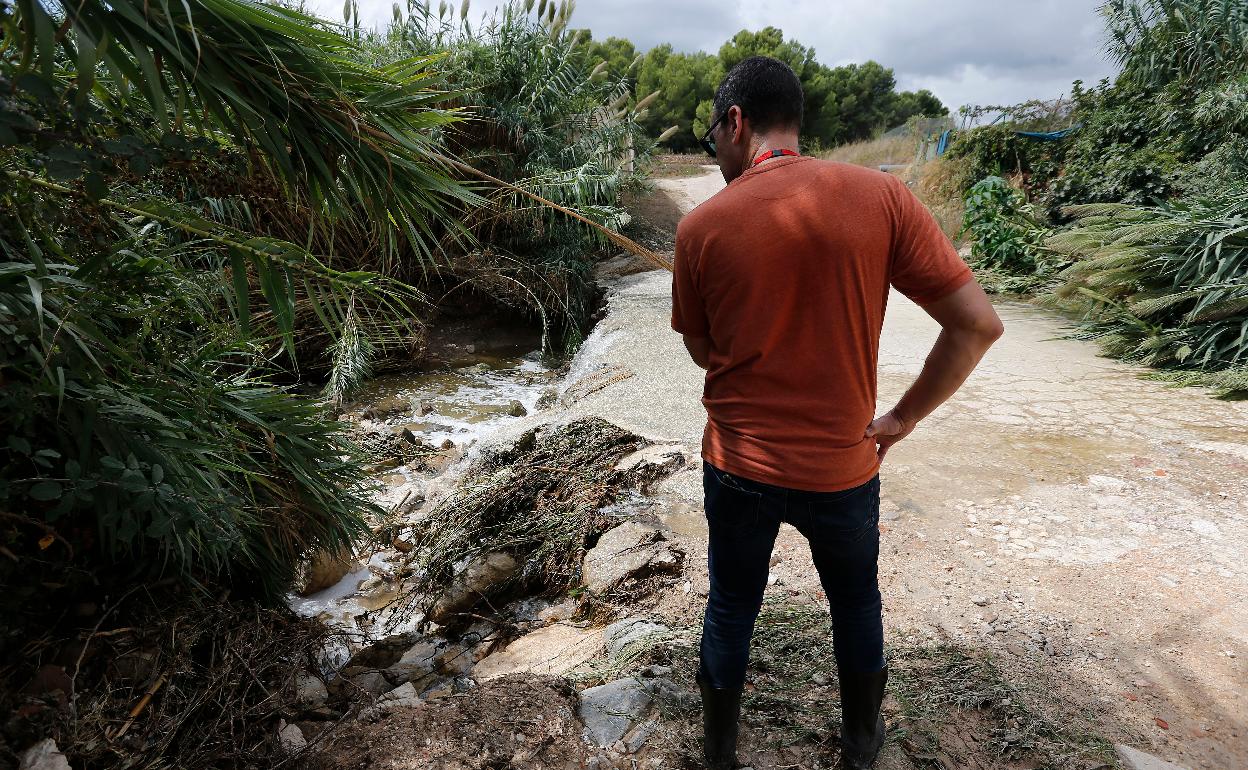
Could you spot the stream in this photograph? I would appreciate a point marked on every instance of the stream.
(476, 390)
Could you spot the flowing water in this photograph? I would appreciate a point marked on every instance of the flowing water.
(454, 407)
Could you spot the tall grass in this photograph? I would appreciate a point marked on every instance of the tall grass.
(1164, 285)
(873, 153)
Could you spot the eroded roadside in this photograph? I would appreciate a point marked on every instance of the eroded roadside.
(1062, 569)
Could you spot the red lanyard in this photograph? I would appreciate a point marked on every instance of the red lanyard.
(771, 154)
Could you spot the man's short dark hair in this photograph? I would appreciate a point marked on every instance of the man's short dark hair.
(767, 91)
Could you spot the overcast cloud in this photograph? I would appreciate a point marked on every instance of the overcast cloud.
(964, 51)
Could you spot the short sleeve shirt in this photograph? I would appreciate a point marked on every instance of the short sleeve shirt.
(786, 272)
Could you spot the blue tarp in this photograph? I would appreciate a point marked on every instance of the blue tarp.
(1050, 136)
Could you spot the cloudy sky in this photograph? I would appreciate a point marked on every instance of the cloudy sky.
(965, 51)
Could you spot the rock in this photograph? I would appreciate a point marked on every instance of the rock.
(447, 444)
(438, 690)
(549, 397)
(454, 660)
(417, 661)
(371, 682)
(562, 611)
(323, 570)
(653, 462)
(553, 650)
(1134, 759)
(633, 549)
(623, 633)
(425, 409)
(481, 368)
(637, 737)
(609, 711)
(980, 601)
(386, 407)
(481, 577)
(402, 696)
(310, 691)
(384, 653)
(516, 409)
(290, 737)
(44, 755)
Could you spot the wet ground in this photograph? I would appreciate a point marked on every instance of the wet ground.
(476, 383)
(1084, 525)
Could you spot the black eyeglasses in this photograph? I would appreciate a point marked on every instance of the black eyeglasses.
(706, 141)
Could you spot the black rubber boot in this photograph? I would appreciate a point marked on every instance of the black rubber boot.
(721, 708)
(862, 727)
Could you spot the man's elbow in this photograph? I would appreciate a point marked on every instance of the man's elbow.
(994, 330)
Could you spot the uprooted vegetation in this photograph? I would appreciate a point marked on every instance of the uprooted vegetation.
(535, 507)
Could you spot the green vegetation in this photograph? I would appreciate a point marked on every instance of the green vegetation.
(1006, 237)
(217, 218)
(1164, 285)
(1158, 272)
(843, 104)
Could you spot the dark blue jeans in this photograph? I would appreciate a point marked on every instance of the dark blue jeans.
(842, 528)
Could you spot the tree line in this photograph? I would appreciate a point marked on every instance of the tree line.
(843, 104)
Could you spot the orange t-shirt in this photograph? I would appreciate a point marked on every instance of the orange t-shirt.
(786, 271)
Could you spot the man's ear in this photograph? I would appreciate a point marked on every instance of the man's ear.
(736, 124)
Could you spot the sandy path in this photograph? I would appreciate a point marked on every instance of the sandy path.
(1086, 526)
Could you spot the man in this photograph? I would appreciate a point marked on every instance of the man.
(779, 289)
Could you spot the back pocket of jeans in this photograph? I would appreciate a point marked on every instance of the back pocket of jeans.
(847, 514)
(730, 505)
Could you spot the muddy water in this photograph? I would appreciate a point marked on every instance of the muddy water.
(476, 391)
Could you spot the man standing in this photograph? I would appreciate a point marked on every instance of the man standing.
(779, 288)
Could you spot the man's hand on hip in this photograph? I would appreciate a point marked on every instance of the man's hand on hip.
(887, 430)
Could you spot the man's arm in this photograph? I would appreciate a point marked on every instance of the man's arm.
(969, 326)
(699, 349)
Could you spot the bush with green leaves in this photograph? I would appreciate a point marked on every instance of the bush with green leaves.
(540, 114)
(147, 320)
(998, 150)
(1151, 134)
(1165, 285)
(1007, 237)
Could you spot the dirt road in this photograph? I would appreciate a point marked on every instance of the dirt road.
(1085, 526)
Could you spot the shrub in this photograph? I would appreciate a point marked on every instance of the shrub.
(1164, 285)
(1007, 240)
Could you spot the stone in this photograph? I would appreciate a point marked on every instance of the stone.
(623, 633)
(562, 611)
(551, 650)
(980, 601)
(387, 406)
(481, 577)
(653, 462)
(383, 653)
(633, 549)
(290, 737)
(609, 711)
(637, 737)
(403, 696)
(371, 682)
(416, 662)
(323, 570)
(310, 691)
(549, 397)
(454, 660)
(1134, 759)
(44, 755)
(516, 409)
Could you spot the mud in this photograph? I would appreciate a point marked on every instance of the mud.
(1100, 516)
